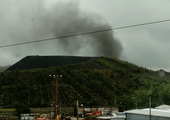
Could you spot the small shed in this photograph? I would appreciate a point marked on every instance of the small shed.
(144, 114)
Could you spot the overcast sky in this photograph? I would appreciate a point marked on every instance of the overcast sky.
(146, 46)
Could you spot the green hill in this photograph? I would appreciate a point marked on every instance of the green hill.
(93, 83)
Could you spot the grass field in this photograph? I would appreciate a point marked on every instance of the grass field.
(7, 111)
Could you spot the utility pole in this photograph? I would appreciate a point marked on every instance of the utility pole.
(60, 107)
(135, 101)
(150, 106)
(115, 104)
(55, 95)
(77, 110)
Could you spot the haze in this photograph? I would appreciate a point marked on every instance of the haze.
(147, 46)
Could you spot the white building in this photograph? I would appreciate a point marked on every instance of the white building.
(163, 107)
(144, 114)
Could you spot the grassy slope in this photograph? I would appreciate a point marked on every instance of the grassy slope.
(100, 82)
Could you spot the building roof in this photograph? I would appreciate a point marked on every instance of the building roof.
(163, 107)
(154, 112)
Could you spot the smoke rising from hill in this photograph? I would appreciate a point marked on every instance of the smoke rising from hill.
(30, 20)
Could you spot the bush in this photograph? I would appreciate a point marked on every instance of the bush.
(21, 109)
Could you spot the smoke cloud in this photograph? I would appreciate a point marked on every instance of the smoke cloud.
(28, 20)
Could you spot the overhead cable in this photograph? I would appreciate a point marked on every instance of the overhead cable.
(85, 33)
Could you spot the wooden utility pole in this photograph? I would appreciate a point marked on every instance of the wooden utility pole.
(60, 107)
(55, 95)
(115, 103)
(150, 106)
(77, 110)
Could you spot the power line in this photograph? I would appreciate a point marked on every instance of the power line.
(85, 33)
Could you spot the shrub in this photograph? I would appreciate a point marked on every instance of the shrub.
(21, 108)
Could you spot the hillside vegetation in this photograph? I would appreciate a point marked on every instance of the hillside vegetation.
(3, 68)
(102, 81)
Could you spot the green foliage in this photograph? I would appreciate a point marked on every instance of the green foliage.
(94, 102)
(95, 83)
(21, 109)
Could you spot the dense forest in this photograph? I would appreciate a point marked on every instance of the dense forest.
(102, 81)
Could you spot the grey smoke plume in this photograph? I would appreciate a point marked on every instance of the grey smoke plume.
(27, 20)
